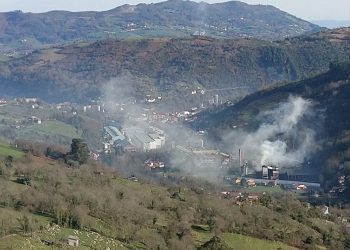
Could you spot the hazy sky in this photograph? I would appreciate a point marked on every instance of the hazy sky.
(306, 9)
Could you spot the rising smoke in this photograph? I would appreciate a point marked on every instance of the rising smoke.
(121, 91)
(284, 139)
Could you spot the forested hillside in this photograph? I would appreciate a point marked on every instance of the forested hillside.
(44, 201)
(171, 68)
(329, 93)
(25, 31)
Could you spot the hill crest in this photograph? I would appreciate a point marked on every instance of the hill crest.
(26, 31)
(169, 66)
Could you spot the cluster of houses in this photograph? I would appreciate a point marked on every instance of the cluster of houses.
(28, 100)
(3, 102)
(172, 117)
(29, 121)
(341, 187)
(72, 241)
(131, 26)
(239, 197)
(154, 164)
(67, 107)
(34, 120)
(93, 107)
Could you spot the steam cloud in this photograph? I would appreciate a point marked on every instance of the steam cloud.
(284, 139)
(121, 90)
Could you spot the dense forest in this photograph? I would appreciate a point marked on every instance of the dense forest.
(170, 67)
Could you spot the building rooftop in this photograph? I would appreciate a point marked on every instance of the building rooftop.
(138, 134)
(154, 136)
(73, 237)
(285, 182)
(142, 137)
(114, 133)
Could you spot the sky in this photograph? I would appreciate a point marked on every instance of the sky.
(305, 9)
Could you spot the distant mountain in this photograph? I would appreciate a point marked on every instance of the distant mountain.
(331, 24)
(329, 93)
(172, 18)
(171, 68)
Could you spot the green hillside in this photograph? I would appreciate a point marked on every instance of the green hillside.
(6, 150)
(57, 128)
(106, 211)
(25, 31)
(248, 243)
(170, 68)
(329, 93)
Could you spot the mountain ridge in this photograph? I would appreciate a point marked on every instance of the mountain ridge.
(171, 67)
(26, 31)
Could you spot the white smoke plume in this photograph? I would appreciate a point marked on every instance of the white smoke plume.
(121, 90)
(283, 139)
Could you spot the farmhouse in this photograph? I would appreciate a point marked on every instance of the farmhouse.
(34, 120)
(73, 240)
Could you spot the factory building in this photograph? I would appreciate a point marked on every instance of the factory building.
(113, 135)
(159, 140)
(132, 139)
(270, 172)
(299, 174)
(205, 158)
(114, 139)
(145, 141)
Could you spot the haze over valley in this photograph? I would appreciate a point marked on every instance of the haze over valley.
(174, 125)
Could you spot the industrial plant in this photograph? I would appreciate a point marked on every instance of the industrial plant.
(296, 177)
(132, 139)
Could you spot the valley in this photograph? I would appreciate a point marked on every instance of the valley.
(173, 125)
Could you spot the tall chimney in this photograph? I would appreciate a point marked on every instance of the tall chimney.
(217, 100)
(240, 157)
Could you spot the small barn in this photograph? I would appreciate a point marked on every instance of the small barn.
(73, 240)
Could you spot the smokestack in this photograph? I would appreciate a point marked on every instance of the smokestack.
(240, 157)
(202, 143)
